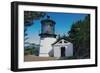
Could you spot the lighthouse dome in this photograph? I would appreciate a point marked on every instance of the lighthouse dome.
(48, 27)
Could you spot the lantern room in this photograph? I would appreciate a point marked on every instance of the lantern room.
(47, 28)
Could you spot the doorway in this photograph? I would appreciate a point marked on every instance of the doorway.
(62, 51)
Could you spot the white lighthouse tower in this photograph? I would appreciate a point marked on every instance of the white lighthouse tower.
(47, 36)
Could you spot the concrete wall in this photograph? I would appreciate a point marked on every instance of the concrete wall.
(45, 46)
(68, 50)
(57, 51)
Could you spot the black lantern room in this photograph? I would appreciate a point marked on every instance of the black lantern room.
(47, 28)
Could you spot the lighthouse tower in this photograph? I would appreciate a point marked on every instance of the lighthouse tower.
(47, 36)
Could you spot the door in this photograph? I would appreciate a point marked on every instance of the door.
(62, 51)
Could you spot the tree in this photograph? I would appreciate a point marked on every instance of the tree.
(79, 35)
(29, 18)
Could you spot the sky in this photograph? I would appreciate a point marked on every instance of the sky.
(63, 24)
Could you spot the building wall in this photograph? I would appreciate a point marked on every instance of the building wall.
(45, 46)
(68, 49)
(57, 51)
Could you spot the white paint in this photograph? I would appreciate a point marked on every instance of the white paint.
(46, 46)
(68, 48)
(22, 64)
(57, 51)
(5, 35)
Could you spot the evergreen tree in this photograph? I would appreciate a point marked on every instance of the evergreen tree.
(29, 18)
(79, 35)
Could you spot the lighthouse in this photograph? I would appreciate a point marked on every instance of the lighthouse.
(47, 36)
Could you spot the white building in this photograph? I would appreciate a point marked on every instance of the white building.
(47, 36)
(46, 46)
(49, 46)
(62, 48)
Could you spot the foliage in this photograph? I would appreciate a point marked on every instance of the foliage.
(32, 49)
(28, 51)
(29, 18)
(79, 35)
